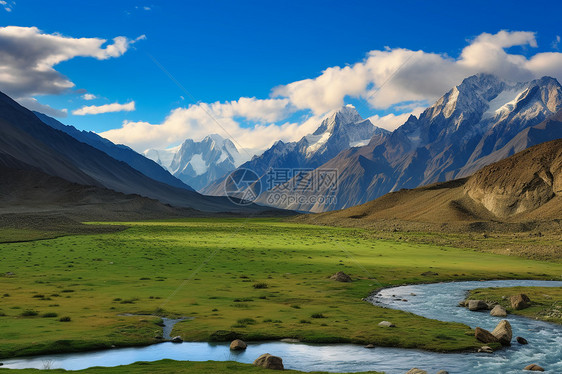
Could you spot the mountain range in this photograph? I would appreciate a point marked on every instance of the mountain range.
(520, 191)
(480, 121)
(339, 131)
(199, 163)
(28, 145)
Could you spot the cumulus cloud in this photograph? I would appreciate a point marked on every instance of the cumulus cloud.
(390, 76)
(28, 57)
(107, 108)
(200, 120)
(32, 104)
(393, 121)
(89, 96)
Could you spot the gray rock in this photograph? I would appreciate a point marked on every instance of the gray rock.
(386, 324)
(485, 336)
(520, 301)
(177, 339)
(268, 361)
(485, 349)
(238, 345)
(475, 305)
(498, 311)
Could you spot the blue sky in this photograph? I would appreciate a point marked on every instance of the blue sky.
(221, 51)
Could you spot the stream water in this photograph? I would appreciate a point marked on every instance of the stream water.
(437, 301)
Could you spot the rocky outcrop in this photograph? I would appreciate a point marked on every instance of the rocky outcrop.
(485, 336)
(238, 345)
(177, 339)
(340, 276)
(503, 332)
(268, 361)
(520, 301)
(498, 311)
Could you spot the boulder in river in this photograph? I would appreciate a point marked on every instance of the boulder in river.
(533, 367)
(268, 361)
(416, 371)
(520, 301)
(177, 339)
(485, 336)
(386, 324)
(340, 276)
(475, 305)
(485, 349)
(498, 311)
(521, 340)
(238, 345)
(503, 332)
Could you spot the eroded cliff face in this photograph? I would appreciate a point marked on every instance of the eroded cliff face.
(521, 183)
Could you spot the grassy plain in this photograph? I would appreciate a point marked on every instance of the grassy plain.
(176, 367)
(255, 279)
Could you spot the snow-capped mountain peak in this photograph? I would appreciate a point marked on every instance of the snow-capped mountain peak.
(199, 162)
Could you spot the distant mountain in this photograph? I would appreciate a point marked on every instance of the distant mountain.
(478, 122)
(522, 188)
(340, 130)
(26, 140)
(117, 151)
(199, 163)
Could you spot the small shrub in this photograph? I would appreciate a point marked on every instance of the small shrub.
(304, 321)
(246, 321)
(67, 291)
(29, 313)
(50, 315)
(6, 295)
(260, 285)
(317, 315)
(39, 296)
(295, 306)
(65, 319)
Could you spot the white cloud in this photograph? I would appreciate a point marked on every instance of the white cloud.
(200, 120)
(89, 96)
(390, 76)
(107, 108)
(32, 104)
(556, 42)
(393, 121)
(28, 57)
(7, 5)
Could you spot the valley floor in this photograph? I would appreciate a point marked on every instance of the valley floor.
(257, 279)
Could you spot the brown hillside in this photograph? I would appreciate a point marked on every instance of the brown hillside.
(524, 187)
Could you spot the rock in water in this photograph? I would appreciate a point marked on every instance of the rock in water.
(520, 301)
(503, 332)
(521, 340)
(177, 339)
(485, 349)
(386, 324)
(416, 371)
(485, 336)
(340, 276)
(238, 345)
(498, 311)
(533, 367)
(269, 362)
(475, 305)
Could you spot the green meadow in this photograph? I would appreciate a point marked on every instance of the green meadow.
(256, 279)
